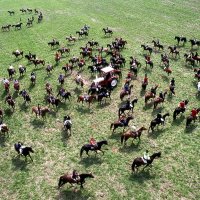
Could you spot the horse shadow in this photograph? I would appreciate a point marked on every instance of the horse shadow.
(103, 105)
(91, 160)
(65, 137)
(157, 110)
(170, 97)
(73, 194)
(8, 112)
(20, 164)
(31, 86)
(2, 140)
(157, 132)
(23, 107)
(142, 176)
(130, 148)
(37, 123)
(178, 120)
(142, 92)
(20, 77)
(77, 91)
(4, 94)
(165, 78)
(83, 110)
(116, 135)
(191, 128)
(148, 106)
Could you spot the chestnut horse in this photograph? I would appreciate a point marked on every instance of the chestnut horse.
(11, 103)
(42, 111)
(123, 93)
(140, 161)
(87, 98)
(150, 94)
(117, 123)
(159, 100)
(190, 118)
(16, 86)
(131, 134)
(67, 178)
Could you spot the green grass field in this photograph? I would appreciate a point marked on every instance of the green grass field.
(175, 175)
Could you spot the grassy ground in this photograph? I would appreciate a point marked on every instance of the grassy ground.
(175, 176)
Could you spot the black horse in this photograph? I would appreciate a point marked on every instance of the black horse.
(157, 44)
(23, 150)
(17, 26)
(147, 48)
(93, 43)
(82, 33)
(53, 43)
(67, 178)
(156, 121)
(104, 94)
(6, 27)
(22, 70)
(194, 42)
(25, 95)
(64, 94)
(140, 161)
(107, 31)
(125, 107)
(11, 12)
(30, 56)
(89, 147)
(181, 39)
(53, 101)
(173, 51)
(179, 110)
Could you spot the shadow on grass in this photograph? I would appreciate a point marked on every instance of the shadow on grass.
(142, 175)
(157, 110)
(65, 137)
(178, 120)
(75, 195)
(92, 159)
(9, 112)
(148, 105)
(157, 132)
(23, 107)
(191, 128)
(130, 148)
(20, 163)
(142, 92)
(37, 122)
(83, 110)
(2, 139)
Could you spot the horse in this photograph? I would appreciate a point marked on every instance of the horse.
(189, 119)
(131, 134)
(41, 111)
(159, 100)
(11, 12)
(22, 10)
(157, 44)
(37, 62)
(64, 50)
(64, 94)
(33, 78)
(179, 110)
(25, 95)
(197, 74)
(123, 93)
(67, 178)
(6, 27)
(17, 26)
(22, 70)
(181, 39)
(18, 53)
(71, 39)
(48, 88)
(189, 59)
(57, 58)
(53, 101)
(194, 42)
(147, 48)
(107, 31)
(90, 147)
(11, 72)
(4, 128)
(86, 53)
(16, 86)
(81, 33)
(164, 60)
(117, 123)
(30, 56)
(155, 122)
(150, 94)
(93, 43)
(74, 60)
(48, 69)
(101, 95)
(173, 51)
(137, 162)
(61, 79)
(79, 81)
(7, 87)
(11, 103)
(67, 67)
(87, 98)
(53, 43)
(67, 126)
(23, 150)
(29, 10)
(148, 62)
(125, 107)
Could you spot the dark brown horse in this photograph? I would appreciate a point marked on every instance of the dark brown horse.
(17, 86)
(147, 48)
(67, 178)
(157, 45)
(22, 70)
(180, 39)
(123, 93)
(173, 51)
(159, 100)
(131, 134)
(118, 123)
(107, 31)
(36, 62)
(86, 98)
(11, 103)
(189, 119)
(64, 50)
(48, 88)
(150, 94)
(4, 129)
(137, 162)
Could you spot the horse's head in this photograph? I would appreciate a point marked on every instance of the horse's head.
(143, 128)
(157, 154)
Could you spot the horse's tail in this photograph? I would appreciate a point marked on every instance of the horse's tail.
(122, 139)
(81, 152)
(133, 166)
(111, 126)
(174, 115)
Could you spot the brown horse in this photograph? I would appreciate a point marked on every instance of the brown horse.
(150, 94)
(86, 98)
(11, 103)
(64, 50)
(118, 123)
(41, 111)
(67, 178)
(17, 86)
(71, 39)
(48, 88)
(4, 129)
(123, 93)
(131, 134)
(189, 119)
(140, 161)
(173, 51)
(7, 87)
(159, 100)
(37, 62)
